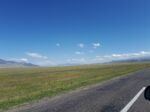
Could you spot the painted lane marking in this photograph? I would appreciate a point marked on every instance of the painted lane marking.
(128, 106)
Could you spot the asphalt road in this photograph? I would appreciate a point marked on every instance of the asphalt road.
(111, 96)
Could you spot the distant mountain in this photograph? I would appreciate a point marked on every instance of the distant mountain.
(144, 59)
(5, 63)
(69, 64)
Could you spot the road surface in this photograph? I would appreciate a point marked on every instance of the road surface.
(111, 96)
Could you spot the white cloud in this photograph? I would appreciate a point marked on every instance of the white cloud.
(45, 63)
(145, 53)
(98, 59)
(36, 55)
(116, 55)
(123, 56)
(85, 60)
(96, 45)
(77, 60)
(58, 44)
(24, 60)
(79, 53)
(108, 58)
(43, 60)
(40, 59)
(19, 60)
(131, 55)
(81, 45)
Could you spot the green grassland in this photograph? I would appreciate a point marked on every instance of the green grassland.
(21, 85)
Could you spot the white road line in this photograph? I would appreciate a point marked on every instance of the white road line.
(128, 106)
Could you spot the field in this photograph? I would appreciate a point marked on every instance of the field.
(21, 85)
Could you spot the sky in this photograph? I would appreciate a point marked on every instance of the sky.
(54, 32)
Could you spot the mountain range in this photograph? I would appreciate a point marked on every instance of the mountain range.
(132, 60)
(6, 63)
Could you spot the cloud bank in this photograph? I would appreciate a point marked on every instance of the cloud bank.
(96, 45)
(108, 58)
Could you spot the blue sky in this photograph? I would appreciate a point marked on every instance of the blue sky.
(51, 32)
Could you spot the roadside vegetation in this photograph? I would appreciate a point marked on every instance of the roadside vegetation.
(22, 85)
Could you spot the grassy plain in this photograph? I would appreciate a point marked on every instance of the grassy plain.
(21, 85)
